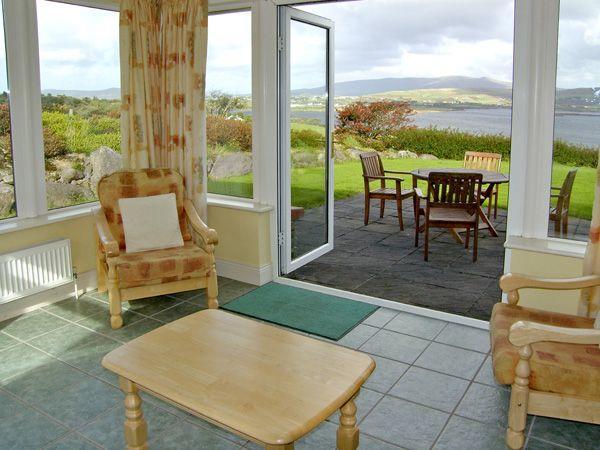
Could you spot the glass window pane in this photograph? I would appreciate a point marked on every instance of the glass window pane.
(577, 120)
(80, 78)
(8, 207)
(228, 102)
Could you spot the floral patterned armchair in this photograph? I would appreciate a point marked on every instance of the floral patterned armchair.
(157, 272)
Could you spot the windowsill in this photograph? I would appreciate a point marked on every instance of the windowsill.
(553, 246)
(51, 217)
(243, 204)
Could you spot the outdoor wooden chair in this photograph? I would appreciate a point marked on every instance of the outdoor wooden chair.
(373, 170)
(452, 202)
(551, 360)
(560, 213)
(485, 161)
(131, 276)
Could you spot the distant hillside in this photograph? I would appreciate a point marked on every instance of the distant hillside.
(368, 87)
(105, 94)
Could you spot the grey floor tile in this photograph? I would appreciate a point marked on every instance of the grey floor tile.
(358, 336)
(538, 444)
(177, 312)
(234, 289)
(399, 347)
(380, 317)
(323, 437)
(43, 380)
(430, 388)
(77, 346)
(72, 441)
(451, 360)
(21, 427)
(152, 305)
(370, 443)
(184, 435)
(582, 436)
(6, 341)
(486, 373)
(21, 359)
(107, 430)
(485, 404)
(423, 327)
(30, 325)
(135, 330)
(387, 372)
(78, 404)
(465, 434)
(74, 310)
(365, 401)
(404, 424)
(465, 337)
(101, 322)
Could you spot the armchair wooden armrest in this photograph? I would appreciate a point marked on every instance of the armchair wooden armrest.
(512, 282)
(526, 333)
(208, 235)
(108, 242)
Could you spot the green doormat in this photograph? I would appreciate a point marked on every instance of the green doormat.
(301, 309)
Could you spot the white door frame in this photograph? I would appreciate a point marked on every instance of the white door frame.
(286, 15)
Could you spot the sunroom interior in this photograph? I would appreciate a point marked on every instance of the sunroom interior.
(441, 377)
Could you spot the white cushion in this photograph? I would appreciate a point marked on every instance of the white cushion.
(150, 223)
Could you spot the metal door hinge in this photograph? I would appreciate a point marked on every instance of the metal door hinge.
(280, 239)
(280, 43)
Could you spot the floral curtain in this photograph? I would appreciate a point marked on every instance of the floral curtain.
(163, 70)
(140, 82)
(590, 304)
(184, 40)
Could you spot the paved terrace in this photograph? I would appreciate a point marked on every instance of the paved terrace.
(381, 261)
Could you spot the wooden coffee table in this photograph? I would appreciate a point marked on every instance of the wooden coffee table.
(263, 383)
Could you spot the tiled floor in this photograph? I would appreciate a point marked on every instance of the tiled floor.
(381, 261)
(432, 387)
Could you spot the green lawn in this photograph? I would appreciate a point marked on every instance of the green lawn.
(348, 182)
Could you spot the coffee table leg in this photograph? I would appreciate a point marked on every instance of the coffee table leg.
(136, 429)
(347, 433)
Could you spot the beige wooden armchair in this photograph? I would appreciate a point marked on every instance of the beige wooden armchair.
(551, 360)
(157, 272)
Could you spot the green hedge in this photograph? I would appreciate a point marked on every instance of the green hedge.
(451, 144)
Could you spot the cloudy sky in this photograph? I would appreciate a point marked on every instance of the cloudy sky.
(374, 39)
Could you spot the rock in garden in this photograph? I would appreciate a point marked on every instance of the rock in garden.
(407, 154)
(7, 199)
(231, 165)
(103, 161)
(69, 174)
(354, 153)
(61, 194)
(428, 156)
(305, 159)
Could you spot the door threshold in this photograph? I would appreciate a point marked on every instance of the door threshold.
(416, 310)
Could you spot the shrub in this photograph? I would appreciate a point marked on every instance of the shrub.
(232, 133)
(54, 144)
(375, 119)
(306, 138)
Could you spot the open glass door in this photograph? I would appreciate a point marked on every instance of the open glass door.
(305, 133)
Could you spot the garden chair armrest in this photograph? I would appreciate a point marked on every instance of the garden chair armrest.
(525, 333)
(398, 171)
(378, 177)
(105, 237)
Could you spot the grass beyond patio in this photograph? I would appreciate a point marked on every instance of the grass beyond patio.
(308, 182)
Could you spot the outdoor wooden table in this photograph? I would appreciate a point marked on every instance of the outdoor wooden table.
(490, 178)
(263, 383)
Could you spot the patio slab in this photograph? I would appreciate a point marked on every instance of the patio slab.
(381, 261)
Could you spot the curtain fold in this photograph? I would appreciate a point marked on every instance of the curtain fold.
(590, 298)
(139, 42)
(163, 72)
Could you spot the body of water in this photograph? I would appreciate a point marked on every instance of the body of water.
(575, 128)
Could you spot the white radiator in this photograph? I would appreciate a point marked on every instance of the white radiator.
(32, 270)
